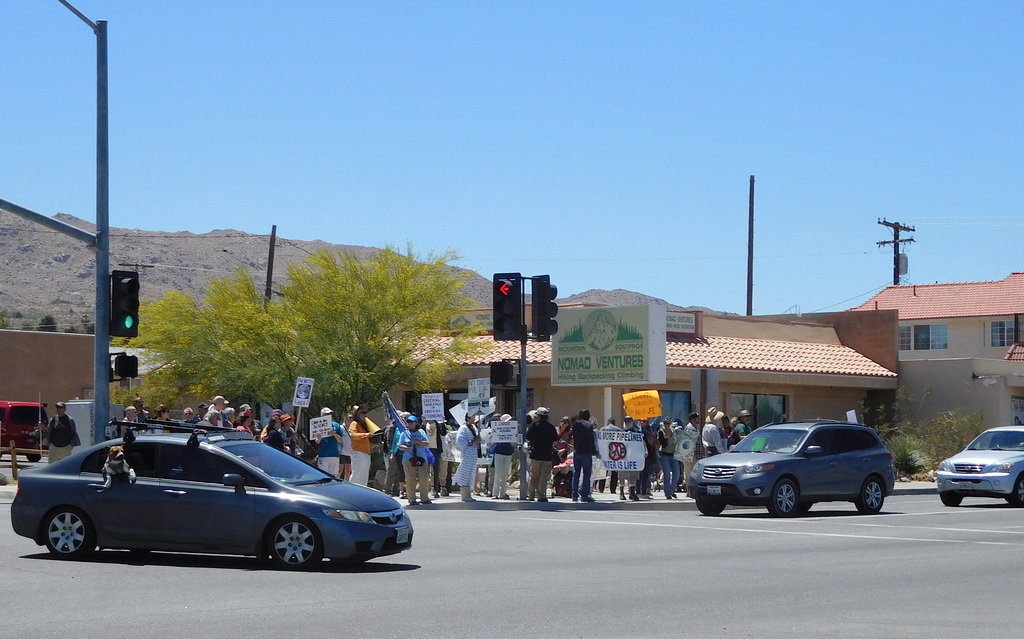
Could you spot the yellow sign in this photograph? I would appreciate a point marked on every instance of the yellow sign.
(642, 404)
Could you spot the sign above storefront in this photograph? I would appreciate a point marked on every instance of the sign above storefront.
(610, 345)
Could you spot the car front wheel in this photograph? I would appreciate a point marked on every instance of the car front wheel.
(69, 534)
(871, 497)
(295, 544)
(785, 498)
(711, 508)
(1016, 498)
(949, 498)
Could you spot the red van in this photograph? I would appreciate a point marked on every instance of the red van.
(19, 423)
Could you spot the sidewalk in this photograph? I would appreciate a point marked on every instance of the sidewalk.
(604, 501)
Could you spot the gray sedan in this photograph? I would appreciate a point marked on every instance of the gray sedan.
(213, 493)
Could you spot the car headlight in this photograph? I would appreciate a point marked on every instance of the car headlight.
(348, 515)
(946, 465)
(754, 469)
(1002, 467)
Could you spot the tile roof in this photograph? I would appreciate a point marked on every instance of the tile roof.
(1016, 353)
(725, 353)
(958, 299)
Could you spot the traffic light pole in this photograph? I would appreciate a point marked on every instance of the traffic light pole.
(522, 420)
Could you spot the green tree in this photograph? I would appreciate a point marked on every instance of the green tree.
(357, 327)
(3, 320)
(48, 324)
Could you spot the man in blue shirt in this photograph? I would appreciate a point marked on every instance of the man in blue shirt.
(329, 454)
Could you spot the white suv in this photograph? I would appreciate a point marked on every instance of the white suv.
(991, 466)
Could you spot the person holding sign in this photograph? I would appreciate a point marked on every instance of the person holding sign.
(329, 452)
(413, 444)
(503, 452)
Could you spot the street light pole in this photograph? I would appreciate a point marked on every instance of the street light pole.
(101, 360)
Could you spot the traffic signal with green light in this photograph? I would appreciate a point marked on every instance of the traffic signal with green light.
(124, 304)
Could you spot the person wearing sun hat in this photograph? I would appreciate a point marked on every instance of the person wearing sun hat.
(710, 436)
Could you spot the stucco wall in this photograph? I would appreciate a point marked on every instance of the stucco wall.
(56, 366)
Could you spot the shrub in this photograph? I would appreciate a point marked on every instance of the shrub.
(908, 456)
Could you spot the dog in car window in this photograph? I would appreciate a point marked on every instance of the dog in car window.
(116, 465)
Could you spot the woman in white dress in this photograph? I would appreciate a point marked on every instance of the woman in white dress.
(468, 442)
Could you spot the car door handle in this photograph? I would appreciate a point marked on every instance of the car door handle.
(177, 493)
(833, 464)
(99, 487)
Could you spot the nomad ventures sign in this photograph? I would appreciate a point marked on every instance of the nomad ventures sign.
(609, 346)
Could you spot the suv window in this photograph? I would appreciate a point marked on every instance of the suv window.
(27, 415)
(822, 437)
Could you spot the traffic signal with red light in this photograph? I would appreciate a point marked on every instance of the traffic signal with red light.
(544, 308)
(124, 304)
(508, 308)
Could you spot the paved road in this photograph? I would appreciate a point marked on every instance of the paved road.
(917, 570)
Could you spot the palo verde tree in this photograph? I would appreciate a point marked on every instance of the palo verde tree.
(358, 327)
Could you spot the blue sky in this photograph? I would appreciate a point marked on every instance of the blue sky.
(608, 144)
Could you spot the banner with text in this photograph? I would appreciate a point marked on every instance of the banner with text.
(642, 404)
(320, 427)
(609, 346)
(621, 450)
(433, 406)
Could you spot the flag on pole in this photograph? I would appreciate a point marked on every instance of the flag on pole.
(399, 423)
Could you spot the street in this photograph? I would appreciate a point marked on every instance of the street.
(916, 570)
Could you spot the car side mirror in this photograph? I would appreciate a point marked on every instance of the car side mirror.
(811, 451)
(236, 480)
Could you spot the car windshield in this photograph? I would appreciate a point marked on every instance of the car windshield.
(999, 440)
(277, 464)
(774, 440)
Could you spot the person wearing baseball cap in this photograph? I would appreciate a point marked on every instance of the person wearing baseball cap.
(328, 456)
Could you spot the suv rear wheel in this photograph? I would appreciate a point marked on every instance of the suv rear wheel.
(785, 498)
(871, 497)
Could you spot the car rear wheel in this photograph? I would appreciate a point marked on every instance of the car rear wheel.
(1016, 498)
(711, 508)
(871, 497)
(949, 498)
(33, 458)
(785, 498)
(69, 533)
(294, 543)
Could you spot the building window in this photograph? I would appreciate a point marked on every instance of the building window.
(905, 338)
(765, 409)
(1002, 333)
(931, 337)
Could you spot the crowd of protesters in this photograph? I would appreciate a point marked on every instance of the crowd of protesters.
(414, 460)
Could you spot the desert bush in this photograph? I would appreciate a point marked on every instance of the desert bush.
(908, 456)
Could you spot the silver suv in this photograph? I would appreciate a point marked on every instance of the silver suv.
(788, 467)
(991, 466)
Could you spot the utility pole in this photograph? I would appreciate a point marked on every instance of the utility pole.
(896, 241)
(750, 253)
(270, 264)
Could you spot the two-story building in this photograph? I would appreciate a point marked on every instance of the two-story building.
(960, 346)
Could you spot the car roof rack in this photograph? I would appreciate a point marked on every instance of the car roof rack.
(210, 432)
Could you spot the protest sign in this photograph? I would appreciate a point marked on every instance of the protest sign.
(621, 450)
(642, 404)
(433, 406)
(320, 427)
